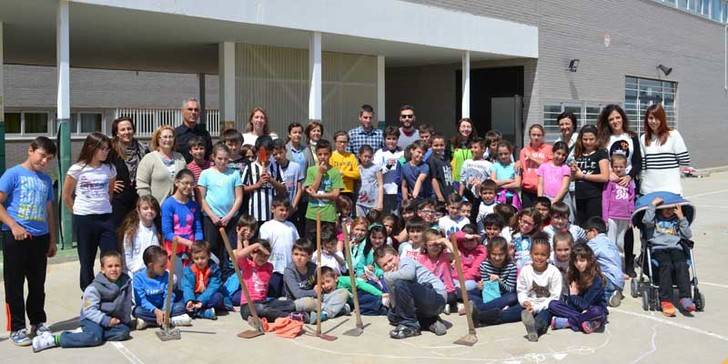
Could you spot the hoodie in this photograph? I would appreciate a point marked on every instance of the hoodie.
(103, 300)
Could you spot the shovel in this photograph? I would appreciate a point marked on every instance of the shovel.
(166, 333)
(359, 329)
(471, 338)
(320, 295)
(254, 320)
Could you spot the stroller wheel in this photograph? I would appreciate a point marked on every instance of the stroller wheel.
(699, 299)
(655, 299)
(645, 304)
(634, 288)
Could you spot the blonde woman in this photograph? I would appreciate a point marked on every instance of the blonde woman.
(156, 171)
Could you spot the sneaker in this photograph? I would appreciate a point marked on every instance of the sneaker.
(438, 328)
(43, 341)
(452, 308)
(20, 337)
(40, 329)
(687, 304)
(141, 324)
(403, 332)
(559, 323)
(207, 314)
(297, 316)
(667, 308)
(313, 315)
(615, 299)
(530, 323)
(181, 320)
(346, 310)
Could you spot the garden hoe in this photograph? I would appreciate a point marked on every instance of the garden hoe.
(255, 322)
(320, 295)
(166, 333)
(359, 329)
(471, 338)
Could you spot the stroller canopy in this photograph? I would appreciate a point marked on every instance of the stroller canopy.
(670, 200)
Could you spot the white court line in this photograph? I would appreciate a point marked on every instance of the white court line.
(707, 193)
(126, 353)
(652, 350)
(713, 284)
(668, 322)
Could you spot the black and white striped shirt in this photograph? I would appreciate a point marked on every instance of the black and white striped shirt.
(661, 163)
(507, 274)
(260, 200)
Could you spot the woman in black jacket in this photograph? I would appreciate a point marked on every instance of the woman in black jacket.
(125, 155)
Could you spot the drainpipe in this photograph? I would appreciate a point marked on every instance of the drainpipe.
(725, 58)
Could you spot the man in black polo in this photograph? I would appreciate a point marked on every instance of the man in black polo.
(190, 128)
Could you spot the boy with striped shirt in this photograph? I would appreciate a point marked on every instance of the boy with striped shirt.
(262, 181)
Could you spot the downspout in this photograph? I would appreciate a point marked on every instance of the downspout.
(725, 58)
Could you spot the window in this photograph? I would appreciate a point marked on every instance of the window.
(716, 10)
(86, 122)
(27, 122)
(640, 93)
(586, 113)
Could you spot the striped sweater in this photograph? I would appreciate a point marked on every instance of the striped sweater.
(661, 163)
(507, 274)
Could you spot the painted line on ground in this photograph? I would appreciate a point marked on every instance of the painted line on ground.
(126, 353)
(651, 350)
(707, 193)
(668, 322)
(713, 284)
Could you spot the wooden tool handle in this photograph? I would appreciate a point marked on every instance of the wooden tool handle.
(170, 284)
(354, 292)
(461, 279)
(319, 297)
(246, 293)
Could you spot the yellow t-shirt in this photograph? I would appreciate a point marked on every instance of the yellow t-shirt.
(348, 166)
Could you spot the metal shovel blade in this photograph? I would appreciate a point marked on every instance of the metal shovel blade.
(169, 334)
(249, 334)
(327, 337)
(467, 340)
(357, 331)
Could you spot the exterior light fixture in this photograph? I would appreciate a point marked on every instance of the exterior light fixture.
(573, 65)
(666, 70)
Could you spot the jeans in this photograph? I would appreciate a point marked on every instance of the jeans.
(271, 310)
(469, 284)
(93, 334)
(415, 305)
(609, 288)
(275, 285)
(216, 301)
(506, 300)
(93, 232)
(25, 260)
(575, 317)
(178, 308)
(616, 230)
(332, 303)
(670, 260)
(370, 305)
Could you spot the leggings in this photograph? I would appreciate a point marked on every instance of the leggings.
(588, 207)
(93, 233)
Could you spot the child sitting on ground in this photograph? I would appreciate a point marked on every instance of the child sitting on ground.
(437, 257)
(105, 313)
(543, 206)
(411, 248)
(418, 296)
(484, 203)
(331, 252)
(538, 284)
(150, 293)
(492, 227)
(507, 213)
(334, 301)
(560, 213)
(201, 283)
(257, 272)
(561, 256)
(584, 308)
(665, 230)
(472, 253)
(364, 265)
(138, 232)
(497, 279)
(608, 258)
(528, 223)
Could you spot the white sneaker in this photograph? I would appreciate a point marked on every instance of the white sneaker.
(43, 341)
(181, 320)
(40, 329)
(141, 324)
(615, 299)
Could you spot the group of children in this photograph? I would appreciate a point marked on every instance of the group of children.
(529, 264)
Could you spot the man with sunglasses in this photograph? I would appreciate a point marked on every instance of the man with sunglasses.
(190, 128)
(408, 134)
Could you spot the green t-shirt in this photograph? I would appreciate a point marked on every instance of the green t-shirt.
(332, 179)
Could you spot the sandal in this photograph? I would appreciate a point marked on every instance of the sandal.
(403, 332)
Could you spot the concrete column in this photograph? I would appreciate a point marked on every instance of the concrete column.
(381, 107)
(314, 76)
(226, 72)
(63, 105)
(465, 106)
(203, 105)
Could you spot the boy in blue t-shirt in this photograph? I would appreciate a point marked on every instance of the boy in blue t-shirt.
(416, 174)
(29, 228)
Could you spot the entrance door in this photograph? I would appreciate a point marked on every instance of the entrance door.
(505, 116)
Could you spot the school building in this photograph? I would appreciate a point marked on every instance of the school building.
(505, 63)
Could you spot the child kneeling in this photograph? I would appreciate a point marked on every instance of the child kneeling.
(585, 308)
(202, 283)
(105, 313)
(150, 292)
(418, 296)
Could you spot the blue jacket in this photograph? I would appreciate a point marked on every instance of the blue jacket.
(213, 284)
(150, 293)
(594, 296)
(103, 300)
(608, 258)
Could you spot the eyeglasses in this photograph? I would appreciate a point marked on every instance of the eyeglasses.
(192, 109)
(428, 211)
(407, 116)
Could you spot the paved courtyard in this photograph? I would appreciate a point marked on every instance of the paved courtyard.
(631, 336)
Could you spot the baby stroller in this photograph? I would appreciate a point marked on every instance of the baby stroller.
(646, 284)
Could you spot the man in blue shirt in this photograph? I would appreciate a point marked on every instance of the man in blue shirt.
(366, 133)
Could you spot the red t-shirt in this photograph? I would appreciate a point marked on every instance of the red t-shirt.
(529, 180)
(256, 278)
